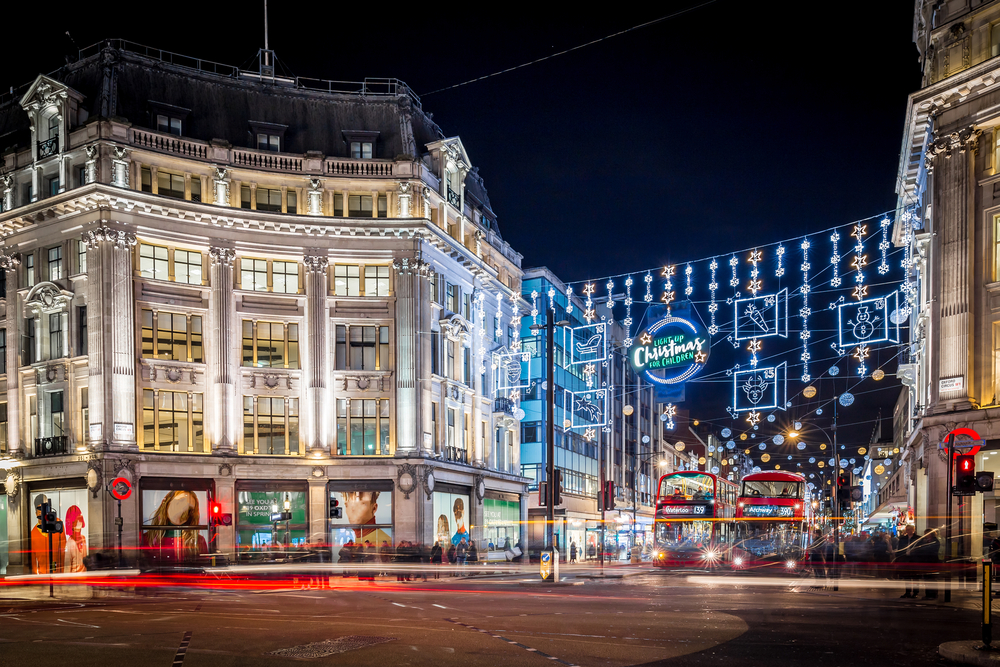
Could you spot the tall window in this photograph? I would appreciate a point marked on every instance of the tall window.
(245, 201)
(467, 366)
(362, 427)
(173, 421)
(55, 263)
(449, 362)
(3, 428)
(55, 336)
(285, 277)
(451, 435)
(376, 281)
(172, 337)
(291, 202)
(187, 267)
(253, 274)
(170, 185)
(3, 351)
(268, 200)
(29, 269)
(359, 206)
(454, 293)
(347, 280)
(270, 344)
(436, 352)
(268, 142)
(366, 350)
(81, 256)
(57, 414)
(361, 150)
(28, 339)
(270, 425)
(153, 262)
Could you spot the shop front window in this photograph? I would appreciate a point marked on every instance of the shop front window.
(70, 551)
(365, 525)
(259, 538)
(174, 523)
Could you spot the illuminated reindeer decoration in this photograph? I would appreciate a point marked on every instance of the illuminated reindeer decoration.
(755, 387)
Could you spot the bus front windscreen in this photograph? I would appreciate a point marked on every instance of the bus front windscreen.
(683, 536)
(689, 487)
(770, 539)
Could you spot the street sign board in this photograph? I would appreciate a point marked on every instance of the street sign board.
(120, 488)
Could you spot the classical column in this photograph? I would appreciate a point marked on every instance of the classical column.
(951, 159)
(224, 332)
(317, 318)
(408, 273)
(9, 265)
(111, 339)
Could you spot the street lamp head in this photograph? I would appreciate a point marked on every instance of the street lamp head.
(562, 323)
(793, 434)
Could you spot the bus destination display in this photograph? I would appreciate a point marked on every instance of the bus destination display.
(768, 510)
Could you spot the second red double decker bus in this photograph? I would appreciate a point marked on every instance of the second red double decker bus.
(770, 520)
(694, 511)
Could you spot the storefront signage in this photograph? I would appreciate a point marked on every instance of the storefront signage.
(683, 509)
(768, 510)
(951, 384)
(670, 351)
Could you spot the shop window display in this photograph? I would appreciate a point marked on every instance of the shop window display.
(70, 551)
(174, 525)
(260, 539)
(366, 522)
(451, 512)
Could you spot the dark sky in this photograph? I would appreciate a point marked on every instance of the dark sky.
(730, 126)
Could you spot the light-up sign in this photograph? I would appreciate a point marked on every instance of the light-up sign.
(768, 510)
(670, 351)
(683, 509)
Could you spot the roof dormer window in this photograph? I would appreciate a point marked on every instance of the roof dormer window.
(168, 118)
(268, 142)
(268, 136)
(361, 143)
(361, 150)
(168, 124)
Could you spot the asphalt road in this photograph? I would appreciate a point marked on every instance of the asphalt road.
(668, 619)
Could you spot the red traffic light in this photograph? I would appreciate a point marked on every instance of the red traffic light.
(216, 509)
(965, 464)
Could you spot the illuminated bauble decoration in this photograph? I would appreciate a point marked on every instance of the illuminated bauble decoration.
(711, 448)
(868, 476)
(797, 426)
(897, 316)
(701, 460)
(664, 417)
(862, 451)
(812, 459)
(832, 462)
(801, 446)
(895, 450)
(519, 414)
(846, 399)
(679, 446)
(777, 467)
(810, 485)
(799, 465)
(743, 436)
(856, 471)
(843, 446)
(755, 427)
(746, 451)
(726, 433)
(770, 418)
(628, 410)
(887, 462)
(809, 391)
(715, 470)
(843, 463)
(765, 457)
(567, 423)
(879, 469)
(756, 469)
(868, 457)
(811, 476)
(834, 370)
(878, 374)
(852, 460)
(645, 439)
(730, 445)
(819, 411)
(778, 439)
(822, 446)
(820, 464)
(789, 457)
(762, 446)
(696, 422)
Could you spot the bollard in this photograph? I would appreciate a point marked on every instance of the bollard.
(987, 603)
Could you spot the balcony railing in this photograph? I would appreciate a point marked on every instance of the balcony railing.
(503, 405)
(454, 198)
(56, 445)
(48, 148)
(456, 454)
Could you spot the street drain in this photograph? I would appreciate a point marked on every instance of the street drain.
(331, 646)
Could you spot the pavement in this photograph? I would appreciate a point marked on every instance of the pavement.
(631, 616)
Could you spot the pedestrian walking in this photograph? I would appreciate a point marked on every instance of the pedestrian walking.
(572, 552)
(904, 561)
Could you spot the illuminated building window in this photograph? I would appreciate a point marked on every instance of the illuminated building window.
(173, 421)
(153, 262)
(172, 336)
(270, 344)
(363, 427)
(270, 426)
(363, 349)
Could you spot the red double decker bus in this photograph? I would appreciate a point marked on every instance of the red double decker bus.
(694, 513)
(770, 520)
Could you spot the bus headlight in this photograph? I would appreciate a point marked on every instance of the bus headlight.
(661, 555)
(738, 562)
(790, 564)
(710, 555)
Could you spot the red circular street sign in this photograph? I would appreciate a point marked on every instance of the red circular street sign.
(121, 488)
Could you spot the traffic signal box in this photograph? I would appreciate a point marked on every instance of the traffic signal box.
(50, 521)
(606, 497)
(967, 481)
(217, 517)
(336, 511)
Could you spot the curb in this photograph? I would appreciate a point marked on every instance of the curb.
(966, 653)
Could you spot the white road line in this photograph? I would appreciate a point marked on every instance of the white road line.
(440, 606)
(399, 605)
(86, 625)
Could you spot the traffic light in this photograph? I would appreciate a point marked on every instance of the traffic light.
(608, 494)
(965, 473)
(50, 522)
(543, 494)
(336, 511)
(984, 481)
(557, 500)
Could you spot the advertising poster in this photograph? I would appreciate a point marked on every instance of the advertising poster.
(174, 524)
(451, 520)
(256, 531)
(69, 548)
(365, 524)
(501, 523)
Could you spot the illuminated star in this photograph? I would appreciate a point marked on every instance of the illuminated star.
(859, 231)
(753, 417)
(589, 369)
(860, 261)
(589, 315)
(754, 286)
(645, 338)
(862, 352)
(588, 288)
(754, 346)
(589, 434)
(754, 256)
(699, 358)
(860, 292)
(668, 271)
(667, 297)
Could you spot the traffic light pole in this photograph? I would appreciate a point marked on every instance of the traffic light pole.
(52, 568)
(550, 426)
(947, 526)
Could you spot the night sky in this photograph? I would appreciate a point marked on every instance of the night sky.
(728, 126)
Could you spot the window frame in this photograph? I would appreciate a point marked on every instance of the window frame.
(290, 351)
(194, 341)
(193, 399)
(292, 436)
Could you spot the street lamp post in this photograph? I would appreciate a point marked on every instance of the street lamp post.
(550, 423)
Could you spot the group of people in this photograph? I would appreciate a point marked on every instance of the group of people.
(913, 558)
(465, 552)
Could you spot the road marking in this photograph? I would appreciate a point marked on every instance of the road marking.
(182, 650)
(399, 605)
(511, 641)
(440, 606)
(86, 625)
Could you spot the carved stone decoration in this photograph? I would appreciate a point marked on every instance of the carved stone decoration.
(404, 199)
(8, 191)
(95, 475)
(407, 477)
(318, 471)
(480, 487)
(221, 182)
(103, 234)
(225, 256)
(119, 168)
(225, 470)
(270, 380)
(47, 298)
(315, 197)
(125, 465)
(406, 266)
(316, 263)
(90, 167)
(425, 196)
(12, 482)
(9, 262)
(456, 329)
(427, 480)
(961, 141)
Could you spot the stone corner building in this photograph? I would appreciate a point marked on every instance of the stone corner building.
(948, 222)
(241, 290)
